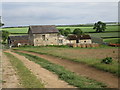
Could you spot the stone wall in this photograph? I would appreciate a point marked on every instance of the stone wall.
(45, 39)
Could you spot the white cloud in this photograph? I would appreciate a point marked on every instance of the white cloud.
(58, 13)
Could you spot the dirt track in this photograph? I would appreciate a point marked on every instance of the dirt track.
(84, 70)
(10, 79)
(48, 78)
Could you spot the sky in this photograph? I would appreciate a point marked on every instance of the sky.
(37, 13)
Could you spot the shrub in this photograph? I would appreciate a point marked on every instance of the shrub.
(107, 60)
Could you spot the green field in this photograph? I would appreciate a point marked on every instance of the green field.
(113, 40)
(84, 29)
(16, 30)
(111, 31)
(90, 29)
(91, 56)
(112, 34)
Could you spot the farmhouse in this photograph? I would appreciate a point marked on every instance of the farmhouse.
(81, 39)
(18, 40)
(43, 35)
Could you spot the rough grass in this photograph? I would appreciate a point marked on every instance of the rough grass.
(73, 54)
(27, 79)
(64, 74)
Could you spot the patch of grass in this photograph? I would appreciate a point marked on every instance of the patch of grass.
(16, 30)
(102, 35)
(27, 79)
(113, 40)
(64, 74)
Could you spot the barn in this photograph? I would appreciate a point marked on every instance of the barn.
(42, 35)
(18, 40)
(81, 39)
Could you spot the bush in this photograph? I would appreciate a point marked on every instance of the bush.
(107, 60)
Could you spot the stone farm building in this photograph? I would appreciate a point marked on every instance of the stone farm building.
(18, 40)
(42, 35)
(81, 39)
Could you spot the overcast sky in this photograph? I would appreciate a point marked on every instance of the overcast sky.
(27, 13)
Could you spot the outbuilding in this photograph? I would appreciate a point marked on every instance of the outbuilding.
(18, 40)
(79, 39)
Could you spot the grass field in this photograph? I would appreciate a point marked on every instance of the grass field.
(84, 29)
(16, 30)
(112, 31)
(112, 34)
(113, 40)
(64, 74)
(27, 79)
(91, 57)
(90, 29)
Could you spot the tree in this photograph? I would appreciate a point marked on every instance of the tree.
(78, 31)
(61, 31)
(68, 29)
(5, 35)
(99, 26)
(66, 32)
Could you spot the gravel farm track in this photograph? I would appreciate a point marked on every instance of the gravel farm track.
(81, 69)
(49, 79)
(9, 77)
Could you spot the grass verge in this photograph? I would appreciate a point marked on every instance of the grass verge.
(27, 79)
(64, 74)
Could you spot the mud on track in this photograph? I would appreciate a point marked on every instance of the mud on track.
(82, 69)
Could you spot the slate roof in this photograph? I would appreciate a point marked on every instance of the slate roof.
(18, 39)
(23, 37)
(43, 29)
(80, 37)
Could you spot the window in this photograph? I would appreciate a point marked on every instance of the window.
(60, 41)
(84, 41)
(77, 41)
(43, 37)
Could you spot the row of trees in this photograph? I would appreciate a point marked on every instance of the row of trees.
(67, 31)
(99, 27)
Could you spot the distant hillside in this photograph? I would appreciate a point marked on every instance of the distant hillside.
(65, 25)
